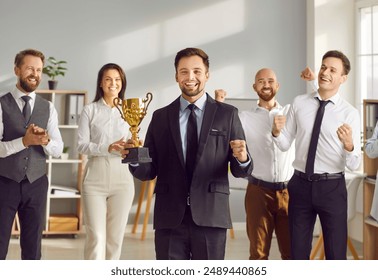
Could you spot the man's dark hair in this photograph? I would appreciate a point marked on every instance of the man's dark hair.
(19, 59)
(340, 55)
(191, 52)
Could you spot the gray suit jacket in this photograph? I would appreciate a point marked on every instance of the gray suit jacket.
(209, 191)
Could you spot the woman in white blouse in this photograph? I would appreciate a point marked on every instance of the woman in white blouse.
(108, 187)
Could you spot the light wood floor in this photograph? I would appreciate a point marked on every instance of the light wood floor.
(68, 248)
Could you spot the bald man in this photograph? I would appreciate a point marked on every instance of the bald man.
(266, 200)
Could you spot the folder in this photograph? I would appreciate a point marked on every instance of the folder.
(74, 106)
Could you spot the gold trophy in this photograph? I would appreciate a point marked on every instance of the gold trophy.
(133, 112)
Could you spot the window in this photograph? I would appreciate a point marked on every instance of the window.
(367, 49)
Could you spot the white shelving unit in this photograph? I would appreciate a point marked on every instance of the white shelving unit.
(63, 210)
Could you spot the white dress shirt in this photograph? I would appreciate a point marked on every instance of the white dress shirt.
(53, 148)
(371, 147)
(99, 126)
(271, 164)
(330, 154)
(199, 110)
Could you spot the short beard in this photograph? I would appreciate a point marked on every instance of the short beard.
(267, 98)
(191, 93)
(26, 86)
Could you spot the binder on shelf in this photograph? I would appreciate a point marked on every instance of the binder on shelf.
(74, 106)
(64, 191)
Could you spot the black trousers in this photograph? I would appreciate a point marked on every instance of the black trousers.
(29, 200)
(189, 241)
(328, 200)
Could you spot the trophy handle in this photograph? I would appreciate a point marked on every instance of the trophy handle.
(147, 100)
(118, 102)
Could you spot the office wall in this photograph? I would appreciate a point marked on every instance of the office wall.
(240, 36)
(331, 26)
(143, 36)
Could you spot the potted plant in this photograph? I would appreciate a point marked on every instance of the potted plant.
(65, 152)
(54, 69)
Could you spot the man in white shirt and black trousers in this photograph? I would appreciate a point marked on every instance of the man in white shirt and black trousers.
(318, 184)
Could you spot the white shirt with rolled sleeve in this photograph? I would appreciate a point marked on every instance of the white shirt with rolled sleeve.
(273, 164)
(371, 149)
(331, 157)
(53, 148)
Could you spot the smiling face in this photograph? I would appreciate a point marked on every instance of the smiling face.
(331, 76)
(29, 73)
(111, 84)
(191, 76)
(266, 85)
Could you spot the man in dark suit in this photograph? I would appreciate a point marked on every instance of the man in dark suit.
(192, 211)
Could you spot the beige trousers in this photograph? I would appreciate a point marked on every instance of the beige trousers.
(108, 192)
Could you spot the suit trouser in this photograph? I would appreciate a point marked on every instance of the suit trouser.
(108, 192)
(328, 200)
(267, 211)
(190, 241)
(29, 200)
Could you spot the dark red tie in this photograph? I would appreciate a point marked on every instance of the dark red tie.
(314, 138)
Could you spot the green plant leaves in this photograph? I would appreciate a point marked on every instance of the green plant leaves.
(55, 68)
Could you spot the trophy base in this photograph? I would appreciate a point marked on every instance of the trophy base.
(137, 155)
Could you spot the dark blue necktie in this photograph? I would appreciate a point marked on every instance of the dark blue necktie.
(26, 111)
(314, 138)
(192, 142)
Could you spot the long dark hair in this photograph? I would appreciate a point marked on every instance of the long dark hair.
(99, 91)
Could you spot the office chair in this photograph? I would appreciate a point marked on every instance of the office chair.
(352, 188)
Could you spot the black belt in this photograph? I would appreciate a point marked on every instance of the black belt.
(319, 177)
(269, 185)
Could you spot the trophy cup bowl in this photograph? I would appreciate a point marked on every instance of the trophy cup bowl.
(133, 111)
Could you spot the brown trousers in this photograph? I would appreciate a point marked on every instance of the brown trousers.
(267, 211)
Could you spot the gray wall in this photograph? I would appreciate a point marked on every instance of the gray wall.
(240, 36)
(143, 36)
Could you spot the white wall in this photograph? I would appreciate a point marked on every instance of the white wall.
(240, 37)
(331, 26)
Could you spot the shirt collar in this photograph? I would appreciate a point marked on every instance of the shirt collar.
(200, 103)
(334, 99)
(256, 106)
(102, 102)
(17, 94)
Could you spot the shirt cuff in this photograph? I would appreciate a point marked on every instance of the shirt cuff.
(244, 164)
(18, 145)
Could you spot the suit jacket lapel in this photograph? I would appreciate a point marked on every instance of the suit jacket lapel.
(173, 119)
(207, 122)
